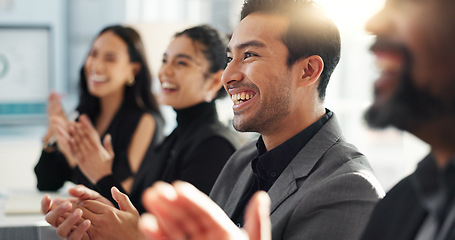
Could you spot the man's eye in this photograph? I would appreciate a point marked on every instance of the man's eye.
(163, 61)
(249, 54)
(228, 59)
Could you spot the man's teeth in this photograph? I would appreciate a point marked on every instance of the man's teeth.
(168, 85)
(388, 64)
(241, 97)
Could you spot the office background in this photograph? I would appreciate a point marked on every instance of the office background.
(43, 45)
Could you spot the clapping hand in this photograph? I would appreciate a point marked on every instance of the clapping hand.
(180, 211)
(93, 158)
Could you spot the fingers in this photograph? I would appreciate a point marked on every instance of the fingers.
(83, 193)
(86, 124)
(160, 200)
(205, 217)
(66, 227)
(123, 201)
(85, 129)
(87, 139)
(80, 231)
(74, 143)
(84, 144)
(200, 206)
(93, 207)
(54, 107)
(46, 204)
(64, 139)
(257, 217)
(56, 212)
(183, 211)
(107, 143)
(59, 121)
(81, 141)
(53, 96)
(149, 226)
(61, 130)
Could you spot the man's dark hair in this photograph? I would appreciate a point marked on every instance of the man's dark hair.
(214, 47)
(310, 32)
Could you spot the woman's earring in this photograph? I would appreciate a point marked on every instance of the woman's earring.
(131, 81)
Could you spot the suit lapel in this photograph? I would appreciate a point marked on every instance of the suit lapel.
(238, 190)
(303, 163)
(284, 187)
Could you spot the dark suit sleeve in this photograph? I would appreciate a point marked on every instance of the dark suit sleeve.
(52, 171)
(205, 163)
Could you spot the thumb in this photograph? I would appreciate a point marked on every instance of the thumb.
(257, 217)
(107, 142)
(123, 201)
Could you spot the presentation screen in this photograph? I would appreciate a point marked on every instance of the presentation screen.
(25, 72)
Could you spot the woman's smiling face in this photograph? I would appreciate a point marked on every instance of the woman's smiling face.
(183, 74)
(108, 66)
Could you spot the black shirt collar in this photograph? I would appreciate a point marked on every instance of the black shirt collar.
(268, 165)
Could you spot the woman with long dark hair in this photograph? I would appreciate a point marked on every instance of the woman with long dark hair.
(116, 101)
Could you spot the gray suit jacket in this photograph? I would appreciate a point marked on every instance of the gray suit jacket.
(327, 192)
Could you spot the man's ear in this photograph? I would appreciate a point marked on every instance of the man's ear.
(310, 69)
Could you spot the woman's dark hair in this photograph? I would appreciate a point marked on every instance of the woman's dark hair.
(214, 50)
(310, 32)
(138, 95)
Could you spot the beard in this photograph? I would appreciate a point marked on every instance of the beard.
(268, 117)
(409, 107)
(269, 113)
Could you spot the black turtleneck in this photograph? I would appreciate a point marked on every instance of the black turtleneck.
(198, 148)
(205, 112)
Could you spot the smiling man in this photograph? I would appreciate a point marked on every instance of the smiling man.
(280, 59)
